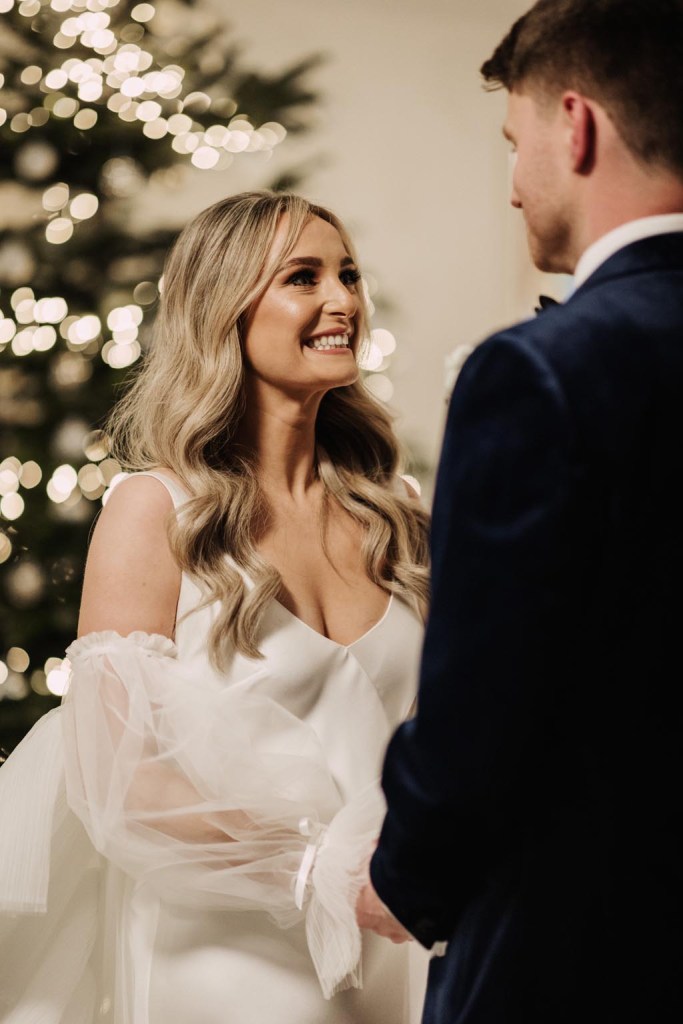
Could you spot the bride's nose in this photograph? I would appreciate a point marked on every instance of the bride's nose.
(338, 298)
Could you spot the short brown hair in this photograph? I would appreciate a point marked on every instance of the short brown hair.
(625, 54)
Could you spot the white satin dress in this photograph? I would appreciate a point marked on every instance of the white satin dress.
(185, 846)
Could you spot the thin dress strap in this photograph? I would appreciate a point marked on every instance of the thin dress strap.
(178, 494)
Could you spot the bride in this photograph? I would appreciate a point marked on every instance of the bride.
(184, 840)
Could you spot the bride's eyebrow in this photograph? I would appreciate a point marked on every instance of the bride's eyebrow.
(302, 261)
(313, 261)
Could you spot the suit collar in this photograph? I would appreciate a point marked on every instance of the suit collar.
(658, 252)
(621, 236)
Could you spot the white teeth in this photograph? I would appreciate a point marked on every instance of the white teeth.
(330, 341)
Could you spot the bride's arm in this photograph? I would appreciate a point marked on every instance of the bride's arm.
(131, 585)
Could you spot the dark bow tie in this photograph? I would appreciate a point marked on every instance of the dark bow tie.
(545, 302)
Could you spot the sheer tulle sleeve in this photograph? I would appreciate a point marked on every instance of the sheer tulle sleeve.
(214, 796)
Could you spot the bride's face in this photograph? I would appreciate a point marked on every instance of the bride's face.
(302, 334)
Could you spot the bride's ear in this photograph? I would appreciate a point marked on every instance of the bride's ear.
(580, 124)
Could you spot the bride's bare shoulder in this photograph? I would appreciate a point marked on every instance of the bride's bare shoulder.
(131, 578)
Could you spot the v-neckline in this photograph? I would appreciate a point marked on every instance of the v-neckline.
(328, 639)
(342, 647)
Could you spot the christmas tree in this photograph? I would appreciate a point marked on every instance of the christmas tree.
(97, 98)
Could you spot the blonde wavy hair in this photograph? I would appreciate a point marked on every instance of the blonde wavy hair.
(184, 407)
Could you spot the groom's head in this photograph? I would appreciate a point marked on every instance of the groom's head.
(595, 115)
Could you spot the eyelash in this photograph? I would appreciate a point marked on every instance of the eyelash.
(352, 277)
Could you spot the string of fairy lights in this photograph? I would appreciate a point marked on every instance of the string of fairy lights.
(120, 76)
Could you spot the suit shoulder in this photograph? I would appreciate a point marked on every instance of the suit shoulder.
(509, 378)
(516, 352)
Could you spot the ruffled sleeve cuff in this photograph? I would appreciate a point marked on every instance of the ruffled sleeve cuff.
(105, 640)
(338, 874)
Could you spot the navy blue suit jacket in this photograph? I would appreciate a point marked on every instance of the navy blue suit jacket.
(535, 801)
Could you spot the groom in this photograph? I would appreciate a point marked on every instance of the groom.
(535, 803)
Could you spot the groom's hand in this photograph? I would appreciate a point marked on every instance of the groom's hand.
(372, 914)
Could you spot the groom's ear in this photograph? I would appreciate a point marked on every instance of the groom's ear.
(580, 125)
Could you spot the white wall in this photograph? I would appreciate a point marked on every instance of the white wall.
(410, 153)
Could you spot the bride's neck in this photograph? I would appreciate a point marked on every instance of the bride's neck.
(281, 441)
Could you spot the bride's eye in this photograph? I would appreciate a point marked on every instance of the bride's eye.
(302, 277)
(350, 276)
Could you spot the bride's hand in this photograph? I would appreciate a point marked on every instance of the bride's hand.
(372, 914)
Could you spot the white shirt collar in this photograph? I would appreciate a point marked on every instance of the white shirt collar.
(600, 251)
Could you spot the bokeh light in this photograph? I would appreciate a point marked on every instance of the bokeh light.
(31, 474)
(9, 481)
(25, 583)
(142, 12)
(370, 357)
(145, 293)
(59, 230)
(380, 386)
(110, 470)
(18, 659)
(84, 206)
(11, 506)
(85, 119)
(62, 483)
(384, 340)
(5, 547)
(31, 74)
(56, 197)
(91, 481)
(50, 311)
(96, 446)
(44, 338)
(8, 329)
(58, 675)
(83, 329)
